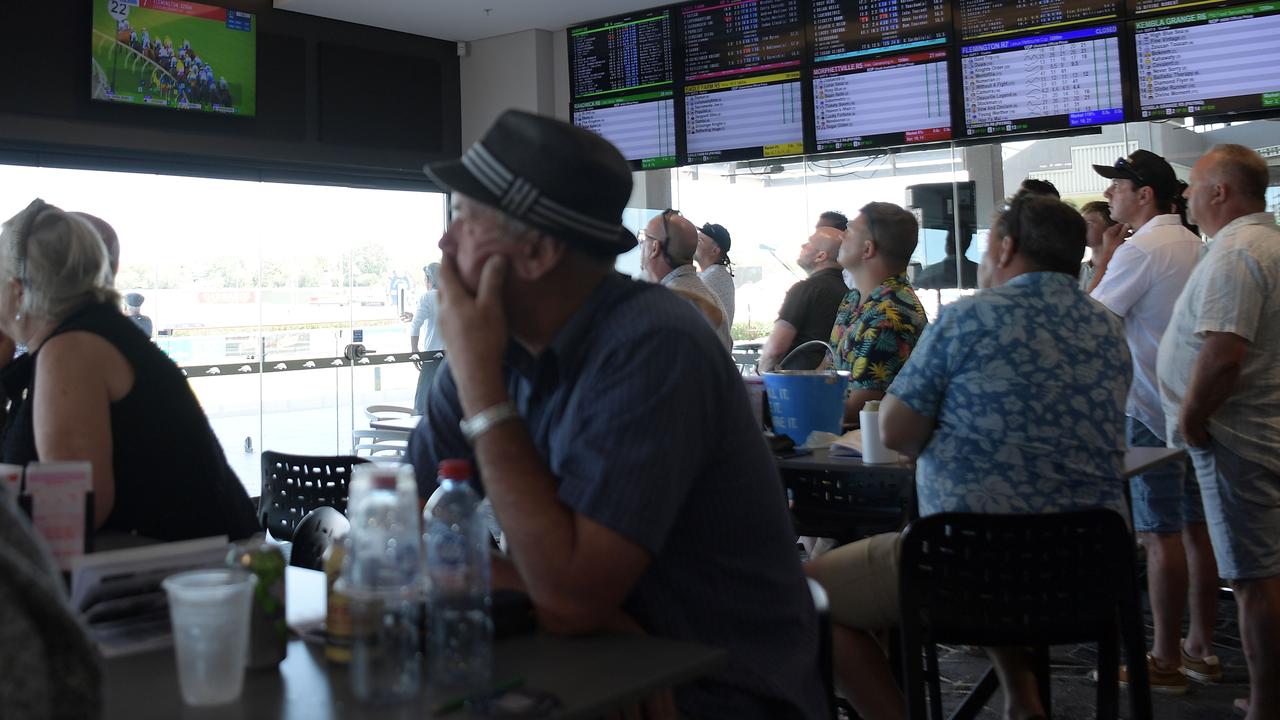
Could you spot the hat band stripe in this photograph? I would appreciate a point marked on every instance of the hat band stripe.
(483, 174)
(500, 171)
(520, 198)
(550, 217)
(603, 226)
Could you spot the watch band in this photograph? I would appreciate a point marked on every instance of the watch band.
(485, 420)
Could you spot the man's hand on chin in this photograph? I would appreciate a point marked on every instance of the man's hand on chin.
(474, 329)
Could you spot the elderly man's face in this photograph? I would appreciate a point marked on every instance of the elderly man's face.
(473, 237)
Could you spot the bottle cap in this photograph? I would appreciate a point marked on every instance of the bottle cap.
(872, 406)
(457, 469)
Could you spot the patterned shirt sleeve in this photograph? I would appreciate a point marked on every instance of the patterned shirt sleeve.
(922, 382)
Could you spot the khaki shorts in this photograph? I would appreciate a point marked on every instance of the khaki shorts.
(861, 580)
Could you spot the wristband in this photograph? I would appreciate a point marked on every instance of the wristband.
(485, 420)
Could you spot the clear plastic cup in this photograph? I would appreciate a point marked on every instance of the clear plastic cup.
(210, 614)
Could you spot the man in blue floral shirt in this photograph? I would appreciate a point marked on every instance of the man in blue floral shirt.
(881, 318)
(1013, 402)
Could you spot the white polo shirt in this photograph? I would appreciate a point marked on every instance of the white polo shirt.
(1143, 281)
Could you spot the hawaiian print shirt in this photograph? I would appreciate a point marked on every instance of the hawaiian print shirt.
(873, 339)
(1027, 383)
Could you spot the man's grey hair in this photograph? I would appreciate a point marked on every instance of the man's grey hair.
(1244, 168)
(66, 263)
(432, 273)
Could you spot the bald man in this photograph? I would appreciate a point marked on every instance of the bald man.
(809, 310)
(1220, 391)
(667, 246)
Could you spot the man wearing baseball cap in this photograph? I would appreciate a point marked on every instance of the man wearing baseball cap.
(712, 257)
(583, 398)
(1139, 279)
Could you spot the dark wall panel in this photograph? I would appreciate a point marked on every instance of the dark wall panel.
(321, 114)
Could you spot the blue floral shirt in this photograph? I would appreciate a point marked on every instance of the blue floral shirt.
(1027, 382)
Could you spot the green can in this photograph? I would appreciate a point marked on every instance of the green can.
(268, 630)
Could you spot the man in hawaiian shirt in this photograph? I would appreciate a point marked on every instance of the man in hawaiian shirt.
(1013, 402)
(881, 318)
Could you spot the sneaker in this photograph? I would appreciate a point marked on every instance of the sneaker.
(1206, 669)
(1165, 680)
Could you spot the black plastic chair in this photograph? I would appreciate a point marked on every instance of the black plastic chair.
(294, 485)
(1021, 580)
(823, 607)
(319, 530)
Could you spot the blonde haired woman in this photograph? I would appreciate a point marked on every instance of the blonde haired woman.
(92, 387)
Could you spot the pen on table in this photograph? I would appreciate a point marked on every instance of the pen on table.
(455, 704)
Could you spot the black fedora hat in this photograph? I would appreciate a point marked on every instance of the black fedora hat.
(565, 181)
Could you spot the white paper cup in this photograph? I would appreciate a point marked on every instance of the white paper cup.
(210, 614)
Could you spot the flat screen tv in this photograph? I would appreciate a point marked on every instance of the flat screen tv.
(1049, 81)
(897, 100)
(724, 38)
(997, 18)
(848, 29)
(620, 73)
(1216, 62)
(744, 118)
(174, 54)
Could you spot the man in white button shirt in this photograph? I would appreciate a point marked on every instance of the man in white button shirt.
(1220, 386)
(1140, 280)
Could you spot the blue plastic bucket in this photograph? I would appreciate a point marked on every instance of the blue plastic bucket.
(802, 401)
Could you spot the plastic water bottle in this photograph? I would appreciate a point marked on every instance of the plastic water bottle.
(460, 638)
(381, 575)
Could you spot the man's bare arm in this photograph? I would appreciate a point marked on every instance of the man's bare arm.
(904, 429)
(780, 338)
(853, 404)
(1213, 379)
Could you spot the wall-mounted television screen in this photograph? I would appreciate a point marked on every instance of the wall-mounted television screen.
(641, 126)
(1211, 62)
(175, 54)
(1052, 81)
(845, 29)
(733, 37)
(997, 18)
(622, 53)
(1140, 8)
(888, 101)
(744, 118)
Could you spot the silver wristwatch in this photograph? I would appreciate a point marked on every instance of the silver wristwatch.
(485, 420)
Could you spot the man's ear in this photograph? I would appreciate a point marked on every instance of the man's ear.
(537, 256)
(1008, 248)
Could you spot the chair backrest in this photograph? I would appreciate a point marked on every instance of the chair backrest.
(1016, 579)
(294, 485)
(379, 443)
(383, 412)
(823, 607)
(320, 529)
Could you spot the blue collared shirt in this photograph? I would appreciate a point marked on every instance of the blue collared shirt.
(1027, 382)
(642, 418)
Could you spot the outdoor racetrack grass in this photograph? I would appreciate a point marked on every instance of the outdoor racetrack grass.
(231, 53)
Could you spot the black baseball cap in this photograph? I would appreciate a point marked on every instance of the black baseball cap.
(719, 235)
(1143, 167)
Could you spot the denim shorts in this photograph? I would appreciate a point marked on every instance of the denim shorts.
(1242, 504)
(1167, 497)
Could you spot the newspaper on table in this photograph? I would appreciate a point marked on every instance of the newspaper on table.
(118, 592)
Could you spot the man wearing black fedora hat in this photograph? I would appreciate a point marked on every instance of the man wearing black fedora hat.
(583, 398)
